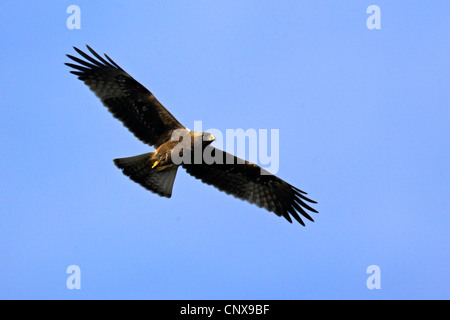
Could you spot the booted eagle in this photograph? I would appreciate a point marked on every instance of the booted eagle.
(150, 122)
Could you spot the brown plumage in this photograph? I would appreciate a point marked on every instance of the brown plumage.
(150, 122)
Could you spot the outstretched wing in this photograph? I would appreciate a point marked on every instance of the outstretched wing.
(127, 99)
(244, 180)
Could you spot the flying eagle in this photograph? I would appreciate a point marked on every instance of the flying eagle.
(150, 122)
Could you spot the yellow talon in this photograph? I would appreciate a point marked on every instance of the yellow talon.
(155, 164)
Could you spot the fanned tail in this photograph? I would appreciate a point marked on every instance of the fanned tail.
(138, 169)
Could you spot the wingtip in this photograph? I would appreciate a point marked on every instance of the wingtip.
(89, 48)
(78, 50)
(288, 217)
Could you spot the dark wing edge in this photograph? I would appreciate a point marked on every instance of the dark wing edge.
(125, 98)
(245, 182)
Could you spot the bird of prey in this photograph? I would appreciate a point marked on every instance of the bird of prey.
(150, 122)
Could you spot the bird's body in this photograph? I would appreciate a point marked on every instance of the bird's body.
(163, 155)
(177, 146)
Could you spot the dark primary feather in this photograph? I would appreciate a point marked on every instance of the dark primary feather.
(127, 99)
(244, 181)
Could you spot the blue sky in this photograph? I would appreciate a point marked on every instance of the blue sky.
(364, 129)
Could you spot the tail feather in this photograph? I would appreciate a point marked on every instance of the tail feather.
(138, 170)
